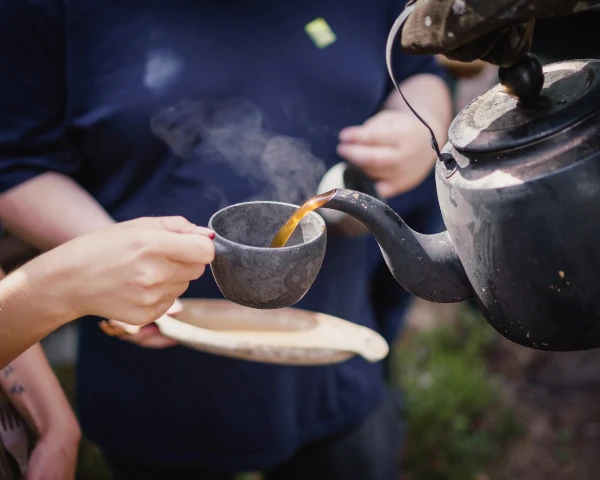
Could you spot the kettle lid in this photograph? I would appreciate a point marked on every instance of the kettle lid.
(495, 121)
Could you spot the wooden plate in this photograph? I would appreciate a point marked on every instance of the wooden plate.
(286, 336)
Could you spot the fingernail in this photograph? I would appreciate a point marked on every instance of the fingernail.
(347, 134)
(205, 231)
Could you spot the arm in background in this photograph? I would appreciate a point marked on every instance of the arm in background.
(34, 391)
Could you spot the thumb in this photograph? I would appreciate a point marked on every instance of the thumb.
(176, 308)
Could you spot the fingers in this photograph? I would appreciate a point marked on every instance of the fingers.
(369, 157)
(186, 272)
(176, 308)
(113, 328)
(156, 302)
(386, 189)
(146, 307)
(196, 249)
(373, 134)
(159, 275)
(374, 144)
(150, 337)
(381, 129)
(181, 225)
(174, 224)
(166, 306)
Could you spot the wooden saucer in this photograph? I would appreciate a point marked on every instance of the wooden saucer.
(287, 336)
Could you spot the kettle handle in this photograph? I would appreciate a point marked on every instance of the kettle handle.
(393, 37)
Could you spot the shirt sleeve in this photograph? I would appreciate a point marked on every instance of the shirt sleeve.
(32, 92)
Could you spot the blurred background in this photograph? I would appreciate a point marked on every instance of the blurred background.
(477, 406)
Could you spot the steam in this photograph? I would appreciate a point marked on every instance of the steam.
(233, 132)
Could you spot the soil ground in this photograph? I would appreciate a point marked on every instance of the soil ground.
(557, 400)
(557, 397)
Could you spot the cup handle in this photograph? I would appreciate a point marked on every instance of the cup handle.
(220, 247)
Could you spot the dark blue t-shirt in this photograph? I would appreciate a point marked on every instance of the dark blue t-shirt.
(181, 107)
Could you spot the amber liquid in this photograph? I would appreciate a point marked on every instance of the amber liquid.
(311, 204)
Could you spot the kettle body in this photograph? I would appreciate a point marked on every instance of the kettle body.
(521, 202)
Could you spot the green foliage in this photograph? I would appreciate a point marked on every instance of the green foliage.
(455, 418)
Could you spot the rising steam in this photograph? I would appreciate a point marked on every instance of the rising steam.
(233, 132)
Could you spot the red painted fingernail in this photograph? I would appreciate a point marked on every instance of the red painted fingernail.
(211, 235)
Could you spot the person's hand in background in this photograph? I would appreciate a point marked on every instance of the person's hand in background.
(146, 336)
(393, 147)
(496, 31)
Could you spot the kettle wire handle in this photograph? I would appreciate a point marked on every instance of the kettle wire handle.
(393, 37)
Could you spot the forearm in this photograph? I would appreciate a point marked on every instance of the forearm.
(430, 98)
(31, 307)
(34, 391)
(45, 211)
(49, 210)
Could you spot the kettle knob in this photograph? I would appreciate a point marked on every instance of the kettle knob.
(524, 80)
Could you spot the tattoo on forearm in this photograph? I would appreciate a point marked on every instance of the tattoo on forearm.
(17, 389)
(8, 370)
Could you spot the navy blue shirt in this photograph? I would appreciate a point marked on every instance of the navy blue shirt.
(181, 107)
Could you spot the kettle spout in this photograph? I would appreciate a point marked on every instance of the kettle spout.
(426, 266)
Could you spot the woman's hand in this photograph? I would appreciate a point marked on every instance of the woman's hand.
(130, 272)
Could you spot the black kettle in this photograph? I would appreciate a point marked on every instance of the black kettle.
(519, 188)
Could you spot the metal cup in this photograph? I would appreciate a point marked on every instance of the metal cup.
(249, 272)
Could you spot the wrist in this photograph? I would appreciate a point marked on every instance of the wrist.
(51, 283)
(62, 428)
(63, 435)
